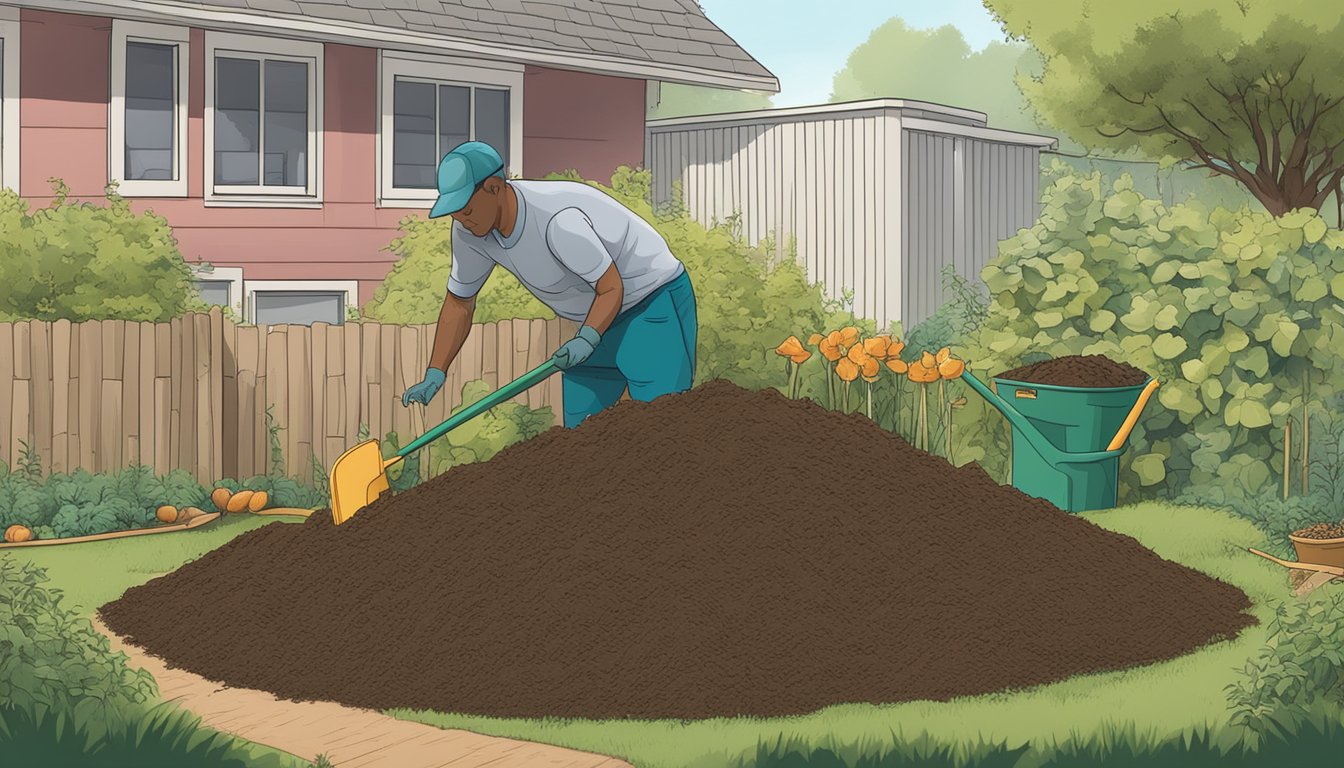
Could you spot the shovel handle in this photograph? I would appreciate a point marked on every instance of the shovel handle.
(504, 393)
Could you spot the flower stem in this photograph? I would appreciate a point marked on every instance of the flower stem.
(924, 416)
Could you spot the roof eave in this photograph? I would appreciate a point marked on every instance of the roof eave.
(373, 36)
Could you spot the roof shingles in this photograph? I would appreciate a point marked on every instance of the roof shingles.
(672, 33)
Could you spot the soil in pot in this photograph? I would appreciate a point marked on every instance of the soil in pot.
(1090, 371)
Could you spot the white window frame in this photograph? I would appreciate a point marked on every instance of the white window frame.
(9, 162)
(252, 287)
(124, 32)
(494, 75)
(232, 274)
(255, 47)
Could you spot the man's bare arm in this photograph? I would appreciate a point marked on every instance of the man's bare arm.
(451, 332)
(607, 302)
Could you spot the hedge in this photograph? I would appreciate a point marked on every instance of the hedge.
(1238, 314)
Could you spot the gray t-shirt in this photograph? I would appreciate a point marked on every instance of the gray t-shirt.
(566, 236)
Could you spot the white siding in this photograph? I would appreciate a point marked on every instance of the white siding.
(875, 206)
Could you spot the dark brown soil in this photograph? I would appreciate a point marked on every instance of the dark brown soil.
(716, 553)
(1321, 531)
(1078, 371)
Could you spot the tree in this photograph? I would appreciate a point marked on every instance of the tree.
(679, 100)
(1250, 90)
(937, 65)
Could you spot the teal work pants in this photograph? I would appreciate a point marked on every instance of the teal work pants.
(650, 348)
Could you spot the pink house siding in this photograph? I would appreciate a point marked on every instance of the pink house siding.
(574, 120)
(590, 123)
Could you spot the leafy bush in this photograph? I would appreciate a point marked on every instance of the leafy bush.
(1301, 664)
(53, 659)
(79, 261)
(83, 504)
(1239, 316)
(746, 304)
(488, 434)
(959, 316)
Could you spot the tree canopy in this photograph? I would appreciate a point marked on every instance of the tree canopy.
(1249, 89)
(937, 65)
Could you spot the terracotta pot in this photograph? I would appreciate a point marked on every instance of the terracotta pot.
(1319, 551)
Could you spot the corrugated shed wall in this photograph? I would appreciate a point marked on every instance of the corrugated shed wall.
(819, 180)
(962, 197)
(836, 184)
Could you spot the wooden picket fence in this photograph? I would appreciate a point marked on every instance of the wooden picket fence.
(195, 393)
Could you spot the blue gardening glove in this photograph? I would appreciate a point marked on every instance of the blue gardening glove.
(577, 349)
(425, 391)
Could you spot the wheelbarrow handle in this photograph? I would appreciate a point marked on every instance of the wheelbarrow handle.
(504, 393)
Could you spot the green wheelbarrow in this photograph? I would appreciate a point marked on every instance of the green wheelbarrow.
(1067, 441)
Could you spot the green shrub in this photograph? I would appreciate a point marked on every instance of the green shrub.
(1300, 666)
(746, 304)
(1239, 315)
(79, 261)
(158, 737)
(53, 659)
(83, 504)
(488, 434)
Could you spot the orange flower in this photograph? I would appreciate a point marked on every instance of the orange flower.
(814, 339)
(790, 347)
(847, 369)
(869, 369)
(877, 346)
(849, 336)
(793, 349)
(922, 373)
(833, 346)
(943, 355)
(928, 360)
(897, 365)
(951, 368)
(896, 348)
(857, 354)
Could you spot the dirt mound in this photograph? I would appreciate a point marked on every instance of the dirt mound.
(715, 553)
(1078, 371)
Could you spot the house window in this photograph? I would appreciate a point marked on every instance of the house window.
(300, 302)
(221, 286)
(147, 121)
(429, 107)
(9, 97)
(263, 120)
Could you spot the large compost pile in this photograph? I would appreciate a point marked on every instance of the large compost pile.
(715, 553)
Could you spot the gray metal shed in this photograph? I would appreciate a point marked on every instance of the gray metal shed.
(880, 195)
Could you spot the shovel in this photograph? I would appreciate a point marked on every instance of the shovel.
(360, 474)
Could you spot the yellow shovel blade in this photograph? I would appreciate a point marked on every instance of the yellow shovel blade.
(357, 478)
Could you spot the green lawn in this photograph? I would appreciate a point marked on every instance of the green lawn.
(99, 572)
(1162, 699)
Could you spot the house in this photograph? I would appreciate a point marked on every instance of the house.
(879, 196)
(285, 139)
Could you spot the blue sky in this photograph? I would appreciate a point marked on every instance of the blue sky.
(804, 42)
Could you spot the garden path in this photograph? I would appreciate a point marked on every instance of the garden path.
(350, 737)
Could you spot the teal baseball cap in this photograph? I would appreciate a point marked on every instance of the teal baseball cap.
(460, 174)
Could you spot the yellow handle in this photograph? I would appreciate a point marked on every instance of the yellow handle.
(1133, 417)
